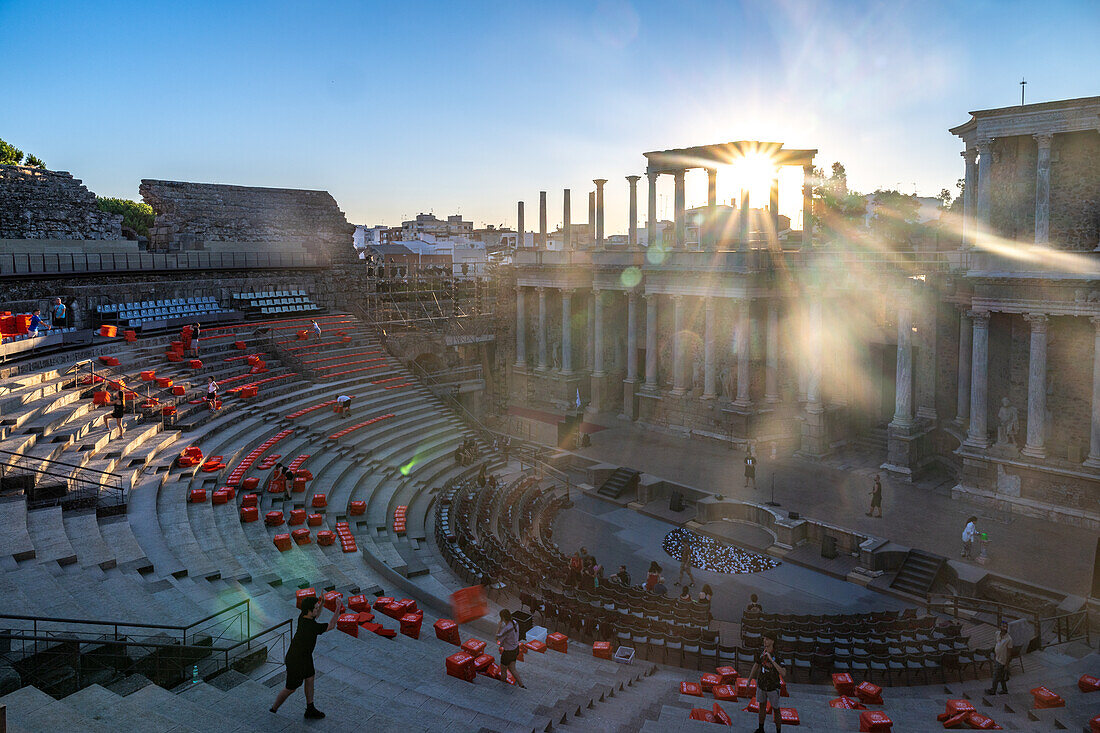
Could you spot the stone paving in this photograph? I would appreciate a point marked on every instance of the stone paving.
(921, 515)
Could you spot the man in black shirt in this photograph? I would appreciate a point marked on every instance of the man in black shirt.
(768, 671)
(299, 656)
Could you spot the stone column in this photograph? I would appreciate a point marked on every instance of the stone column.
(1036, 386)
(651, 342)
(773, 205)
(521, 329)
(707, 233)
(813, 358)
(807, 206)
(566, 224)
(978, 435)
(712, 187)
(1042, 193)
(1093, 460)
(599, 211)
(903, 385)
(744, 341)
(743, 222)
(589, 330)
(709, 391)
(519, 225)
(962, 406)
(566, 331)
(542, 219)
(592, 214)
(678, 203)
(632, 337)
(632, 227)
(771, 374)
(543, 364)
(982, 226)
(802, 357)
(651, 222)
(970, 183)
(597, 336)
(678, 386)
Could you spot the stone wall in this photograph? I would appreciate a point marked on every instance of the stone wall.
(42, 204)
(1075, 191)
(219, 213)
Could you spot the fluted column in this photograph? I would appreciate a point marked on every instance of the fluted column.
(566, 331)
(1093, 460)
(678, 203)
(1036, 386)
(709, 391)
(631, 337)
(589, 330)
(651, 221)
(566, 224)
(743, 222)
(543, 364)
(542, 219)
(962, 405)
(1042, 190)
(771, 374)
(744, 363)
(708, 230)
(814, 357)
(678, 385)
(970, 183)
(903, 386)
(599, 211)
(632, 227)
(978, 434)
(592, 215)
(982, 225)
(807, 206)
(519, 225)
(521, 329)
(802, 356)
(597, 337)
(651, 342)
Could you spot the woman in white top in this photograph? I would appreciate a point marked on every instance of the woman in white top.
(508, 638)
(212, 392)
(969, 532)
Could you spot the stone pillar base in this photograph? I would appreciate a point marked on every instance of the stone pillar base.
(815, 441)
(630, 410)
(908, 451)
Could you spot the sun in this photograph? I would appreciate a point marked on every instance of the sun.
(753, 172)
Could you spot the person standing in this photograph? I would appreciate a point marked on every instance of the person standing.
(317, 329)
(58, 312)
(876, 498)
(118, 409)
(508, 638)
(212, 394)
(685, 563)
(768, 672)
(750, 469)
(193, 347)
(970, 531)
(299, 656)
(1002, 654)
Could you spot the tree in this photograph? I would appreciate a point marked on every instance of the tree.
(9, 154)
(136, 215)
(945, 198)
(34, 161)
(894, 220)
(841, 209)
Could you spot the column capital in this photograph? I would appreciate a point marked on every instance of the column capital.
(970, 155)
(567, 291)
(679, 175)
(1095, 320)
(984, 145)
(677, 298)
(1044, 139)
(633, 179)
(596, 292)
(710, 302)
(599, 182)
(651, 297)
(1038, 321)
(540, 289)
(980, 318)
(652, 175)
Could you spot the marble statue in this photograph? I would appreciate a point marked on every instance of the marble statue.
(727, 382)
(1008, 423)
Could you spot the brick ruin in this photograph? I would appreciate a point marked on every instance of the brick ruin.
(189, 214)
(40, 204)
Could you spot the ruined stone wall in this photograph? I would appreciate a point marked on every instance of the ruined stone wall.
(1012, 190)
(219, 213)
(1075, 191)
(42, 204)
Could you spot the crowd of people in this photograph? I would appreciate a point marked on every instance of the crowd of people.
(466, 453)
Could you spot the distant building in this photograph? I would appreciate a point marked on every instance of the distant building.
(427, 225)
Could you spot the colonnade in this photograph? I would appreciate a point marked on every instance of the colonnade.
(741, 339)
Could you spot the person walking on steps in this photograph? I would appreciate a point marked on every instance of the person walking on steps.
(685, 563)
(299, 656)
(317, 329)
(118, 409)
(1002, 654)
(768, 672)
(970, 531)
(750, 469)
(508, 638)
(876, 499)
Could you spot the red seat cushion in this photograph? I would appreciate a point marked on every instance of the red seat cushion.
(725, 692)
(601, 649)
(721, 716)
(702, 714)
(302, 593)
(843, 684)
(869, 693)
(691, 688)
(709, 681)
(447, 630)
(728, 675)
(789, 716)
(1047, 698)
(874, 721)
(1088, 683)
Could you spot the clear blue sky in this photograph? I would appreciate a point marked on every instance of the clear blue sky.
(401, 107)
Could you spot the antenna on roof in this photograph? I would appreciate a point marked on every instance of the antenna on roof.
(1023, 83)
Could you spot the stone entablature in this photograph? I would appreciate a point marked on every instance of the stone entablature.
(222, 213)
(41, 204)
